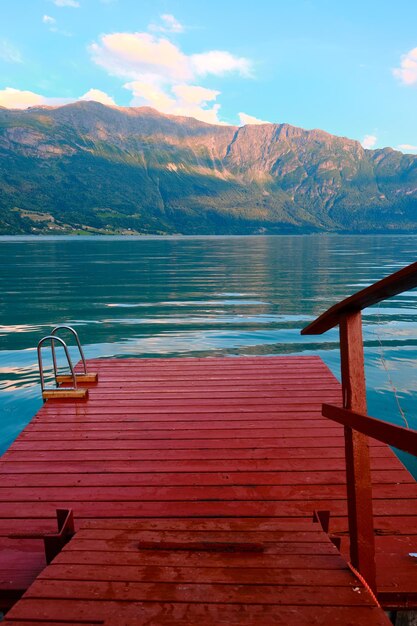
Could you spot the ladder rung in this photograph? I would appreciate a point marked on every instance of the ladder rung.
(81, 378)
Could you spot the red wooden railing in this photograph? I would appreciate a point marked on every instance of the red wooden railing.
(358, 425)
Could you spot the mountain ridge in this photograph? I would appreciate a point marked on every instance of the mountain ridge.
(88, 167)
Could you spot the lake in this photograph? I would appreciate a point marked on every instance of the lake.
(202, 296)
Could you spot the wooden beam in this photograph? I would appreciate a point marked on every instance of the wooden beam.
(57, 394)
(54, 542)
(386, 288)
(396, 436)
(358, 472)
(81, 378)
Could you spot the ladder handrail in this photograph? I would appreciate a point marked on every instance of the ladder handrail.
(77, 340)
(53, 338)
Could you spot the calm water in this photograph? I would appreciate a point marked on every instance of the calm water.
(165, 297)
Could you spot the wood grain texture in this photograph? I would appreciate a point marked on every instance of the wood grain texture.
(358, 467)
(140, 574)
(234, 445)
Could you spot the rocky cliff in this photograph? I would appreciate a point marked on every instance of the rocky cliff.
(87, 167)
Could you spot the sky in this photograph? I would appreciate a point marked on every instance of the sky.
(348, 67)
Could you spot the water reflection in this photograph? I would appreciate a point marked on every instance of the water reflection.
(201, 296)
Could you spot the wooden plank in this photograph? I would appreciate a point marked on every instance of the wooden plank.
(221, 385)
(274, 523)
(404, 527)
(209, 614)
(208, 400)
(358, 468)
(181, 443)
(289, 464)
(184, 574)
(59, 394)
(158, 558)
(133, 428)
(196, 593)
(133, 479)
(312, 534)
(81, 378)
(176, 492)
(207, 450)
(147, 532)
(36, 622)
(123, 580)
(225, 441)
(402, 438)
(190, 508)
(307, 549)
(130, 410)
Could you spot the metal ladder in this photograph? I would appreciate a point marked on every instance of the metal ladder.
(74, 377)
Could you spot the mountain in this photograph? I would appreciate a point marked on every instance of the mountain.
(86, 167)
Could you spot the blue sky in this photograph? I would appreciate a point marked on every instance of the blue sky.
(346, 67)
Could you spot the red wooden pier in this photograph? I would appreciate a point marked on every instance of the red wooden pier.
(193, 484)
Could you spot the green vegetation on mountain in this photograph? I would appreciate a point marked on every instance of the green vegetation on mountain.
(86, 167)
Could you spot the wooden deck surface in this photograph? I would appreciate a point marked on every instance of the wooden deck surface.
(236, 440)
(178, 572)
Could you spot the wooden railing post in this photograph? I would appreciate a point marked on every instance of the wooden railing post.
(358, 471)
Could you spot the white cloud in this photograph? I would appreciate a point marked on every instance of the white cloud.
(51, 22)
(193, 94)
(9, 53)
(146, 94)
(369, 141)
(136, 55)
(66, 3)
(407, 147)
(17, 99)
(407, 72)
(141, 55)
(20, 99)
(186, 100)
(220, 62)
(98, 96)
(164, 77)
(170, 24)
(250, 119)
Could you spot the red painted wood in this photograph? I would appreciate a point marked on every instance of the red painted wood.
(189, 508)
(196, 593)
(269, 434)
(126, 479)
(358, 469)
(386, 463)
(164, 396)
(401, 438)
(206, 451)
(396, 283)
(93, 413)
(120, 581)
(162, 493)
(79, 430)
(182, 404)
(307, 577)
(209, 614)
(248, 449)
(181, 444)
